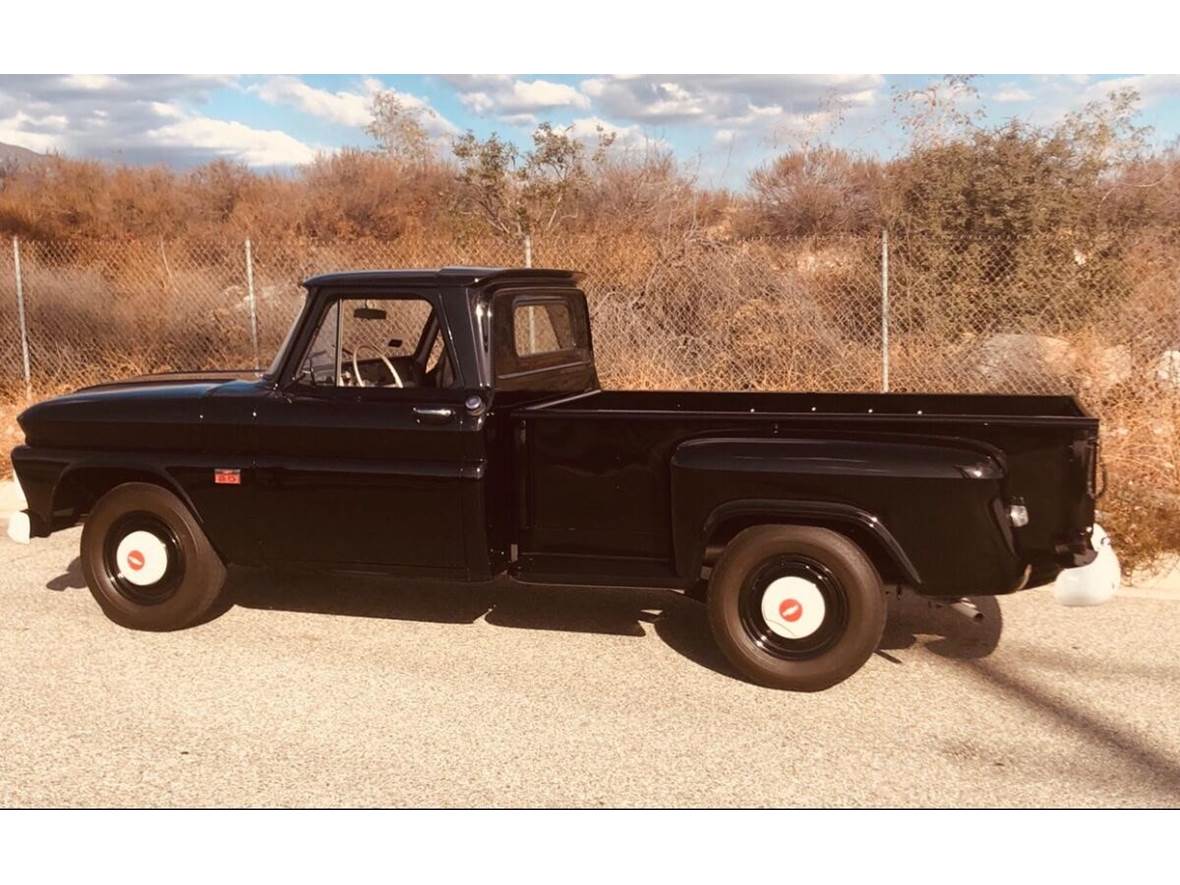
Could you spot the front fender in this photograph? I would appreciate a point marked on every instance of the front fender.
(39, 473)
(56, 486)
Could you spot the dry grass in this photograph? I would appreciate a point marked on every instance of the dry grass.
(10, 434)
(1141, 450)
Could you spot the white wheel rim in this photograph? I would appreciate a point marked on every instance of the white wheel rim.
(793, 607)
(142, 558)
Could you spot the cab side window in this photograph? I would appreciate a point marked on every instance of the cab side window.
(378, 343)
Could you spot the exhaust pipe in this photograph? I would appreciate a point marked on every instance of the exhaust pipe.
(966, 608)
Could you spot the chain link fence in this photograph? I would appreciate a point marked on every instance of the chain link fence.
(851, 313)
(864, 313)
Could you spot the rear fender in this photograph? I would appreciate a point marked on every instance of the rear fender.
(860, 525)
(915, 505)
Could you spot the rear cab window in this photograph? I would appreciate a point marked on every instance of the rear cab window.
(538, 331)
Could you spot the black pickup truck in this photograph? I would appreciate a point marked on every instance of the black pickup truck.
(449, 423)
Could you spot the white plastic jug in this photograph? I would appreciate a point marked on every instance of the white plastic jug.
(1091, 584)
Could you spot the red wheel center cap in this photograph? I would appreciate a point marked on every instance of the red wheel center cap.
(135, 560)
(790, 610)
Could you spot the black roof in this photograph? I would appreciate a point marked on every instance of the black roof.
(448, 276)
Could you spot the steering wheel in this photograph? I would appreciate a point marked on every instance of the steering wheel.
(360, 382)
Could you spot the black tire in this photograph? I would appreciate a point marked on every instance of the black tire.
(843, 578)
(194, 573)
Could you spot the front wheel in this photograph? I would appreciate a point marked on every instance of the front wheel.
(146, 560)
(796, 607)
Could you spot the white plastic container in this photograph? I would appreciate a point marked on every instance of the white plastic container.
(18, 527)
(1091, 584)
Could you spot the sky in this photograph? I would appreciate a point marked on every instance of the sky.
(720, 126)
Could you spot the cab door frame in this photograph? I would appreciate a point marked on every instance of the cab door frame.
(368, 479)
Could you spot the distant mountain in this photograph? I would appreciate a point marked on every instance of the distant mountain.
(12, 152)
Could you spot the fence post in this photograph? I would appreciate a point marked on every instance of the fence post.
(251, 302)
(24, 326)
(528, 262)
(885, 309)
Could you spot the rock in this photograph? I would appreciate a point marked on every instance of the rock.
(1105, 368)
(1024, 360)
(1115, 366)
(1167, 370)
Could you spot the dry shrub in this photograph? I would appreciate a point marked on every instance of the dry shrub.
(11, 404)
(1141, 451)
(640, 370)
(819, 190)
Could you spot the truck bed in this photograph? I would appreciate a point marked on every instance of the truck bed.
(595, 486)
(963, 406)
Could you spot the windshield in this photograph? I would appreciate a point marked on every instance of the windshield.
(273, 369)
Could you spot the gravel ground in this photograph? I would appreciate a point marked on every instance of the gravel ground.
(332, 691)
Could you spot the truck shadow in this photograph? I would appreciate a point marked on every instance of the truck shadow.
(914, 622)
(681, 623)
(71, 579)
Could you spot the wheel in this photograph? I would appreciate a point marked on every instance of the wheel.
(146, 560)
(795, 607)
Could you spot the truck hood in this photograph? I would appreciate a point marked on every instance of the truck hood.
(150, 412)
(208, 376)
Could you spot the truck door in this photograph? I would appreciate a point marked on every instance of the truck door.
(360, 458)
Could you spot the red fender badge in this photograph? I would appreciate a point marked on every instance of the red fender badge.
(226, 477)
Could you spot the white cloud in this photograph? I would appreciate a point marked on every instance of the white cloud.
(160, 109)
(726, 101)
(225, 138)
(736, 110)
(350, 108)
(15, 130)
(515, 101)
(626, 137)
(90, 82)
(345, 108)
(70, 88)
(1009, 94)
(436, 125)
(148, 119)
(1151, 87)
(540, 94)
(1051, 97)
(523, 121)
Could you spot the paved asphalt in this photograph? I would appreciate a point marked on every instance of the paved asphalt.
(361, 692)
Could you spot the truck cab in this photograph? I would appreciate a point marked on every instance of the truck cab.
(383, 416)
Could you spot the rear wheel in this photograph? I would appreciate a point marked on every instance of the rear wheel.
(146, 560)
(795, 607)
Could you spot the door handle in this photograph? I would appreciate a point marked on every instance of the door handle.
(433, 414)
